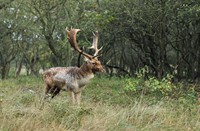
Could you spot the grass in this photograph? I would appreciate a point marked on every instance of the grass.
(105, 106)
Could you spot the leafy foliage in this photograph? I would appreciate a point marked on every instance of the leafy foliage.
(152, 85)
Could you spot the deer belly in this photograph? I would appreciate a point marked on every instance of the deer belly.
(73, 87)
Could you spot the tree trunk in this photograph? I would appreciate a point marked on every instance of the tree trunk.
(18, 68)
(5, 71)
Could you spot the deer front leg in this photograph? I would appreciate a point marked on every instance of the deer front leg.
(78, 98)
(72, 97)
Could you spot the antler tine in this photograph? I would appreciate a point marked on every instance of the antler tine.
(71, 36)
(95, 44)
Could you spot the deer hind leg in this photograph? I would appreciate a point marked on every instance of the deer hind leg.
(45, 96)
(49, 90)
(55, 91)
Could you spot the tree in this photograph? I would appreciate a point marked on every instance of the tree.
(8, 48)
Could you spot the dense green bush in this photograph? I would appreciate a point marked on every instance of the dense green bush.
(150, 85)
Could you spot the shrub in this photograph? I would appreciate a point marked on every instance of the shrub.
(133, 85)
(151, 85)
(163, 86)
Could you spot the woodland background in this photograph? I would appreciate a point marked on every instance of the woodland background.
(160, 36)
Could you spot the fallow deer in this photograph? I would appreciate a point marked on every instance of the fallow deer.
(73, 79)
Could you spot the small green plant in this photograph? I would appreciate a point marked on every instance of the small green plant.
(133, 84)
(163, 86)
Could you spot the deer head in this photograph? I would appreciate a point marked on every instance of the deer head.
(91, 61)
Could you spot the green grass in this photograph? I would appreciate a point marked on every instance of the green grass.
(105, 106)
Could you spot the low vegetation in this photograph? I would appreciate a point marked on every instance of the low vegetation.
(107, 104)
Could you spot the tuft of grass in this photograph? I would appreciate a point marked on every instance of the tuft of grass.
(105, 106)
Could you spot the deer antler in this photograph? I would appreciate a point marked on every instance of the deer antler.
(71, 36)
(95, 44)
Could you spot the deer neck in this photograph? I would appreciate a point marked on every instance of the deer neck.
(85, 74)
(86, 70)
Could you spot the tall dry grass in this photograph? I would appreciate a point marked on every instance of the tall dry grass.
(105, 106)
